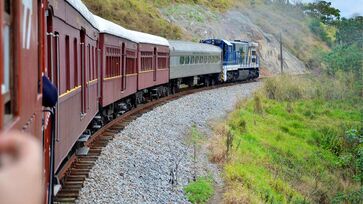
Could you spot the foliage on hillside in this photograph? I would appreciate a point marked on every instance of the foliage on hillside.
(143, 15)
(140, 15)
(299, 140)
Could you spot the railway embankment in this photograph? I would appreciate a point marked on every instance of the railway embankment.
(153, 158)
(298, 140)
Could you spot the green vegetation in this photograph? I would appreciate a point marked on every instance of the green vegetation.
(322, 10)
(346, 58)
(200, 190)
(140, 15)
(325, 32)
(299, 140)
(144, 15)
(344, 36)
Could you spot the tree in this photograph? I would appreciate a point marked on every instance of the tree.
(323, 11)
(347, 58)
(350, 31)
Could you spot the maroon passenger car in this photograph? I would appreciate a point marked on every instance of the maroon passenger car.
(72, 39)
(153, 60)
(118, 65)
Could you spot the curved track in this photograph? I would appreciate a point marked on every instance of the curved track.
(77, 169)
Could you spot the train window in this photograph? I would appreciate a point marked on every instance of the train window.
(146, 61)
(192, 61)
(75, 54)
(130, 62)
(205, 59)
(6, 87)
(89, 62)
(181, 60)
(93, 63)
(253, 60)
(187, 59)
(253, 52)
(209, 59)
(68, 68)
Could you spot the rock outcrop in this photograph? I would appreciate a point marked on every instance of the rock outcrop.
(202, 23)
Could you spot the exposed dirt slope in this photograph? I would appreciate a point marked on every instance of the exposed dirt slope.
(202, 23)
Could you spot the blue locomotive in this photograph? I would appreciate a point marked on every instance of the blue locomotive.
(240, 60)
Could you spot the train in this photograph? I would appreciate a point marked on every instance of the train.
(99, 70)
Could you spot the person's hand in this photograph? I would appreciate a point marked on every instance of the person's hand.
(20, 169)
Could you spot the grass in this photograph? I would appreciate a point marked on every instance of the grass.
(200, 190)
(294, 145)
(144, 15)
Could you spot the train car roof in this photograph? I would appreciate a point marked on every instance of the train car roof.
(106, 26)
(227, 42)
(148, 38)
(109, 27)
(83, 10)
(186, 46)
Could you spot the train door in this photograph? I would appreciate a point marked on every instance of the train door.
(155, 62)
(123, 68)
(7, 64)
(51, 134)
(53, 64)
(83, 73)
(99, 72)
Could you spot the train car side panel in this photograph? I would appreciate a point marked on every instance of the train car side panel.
(74, 72)
(149, 74)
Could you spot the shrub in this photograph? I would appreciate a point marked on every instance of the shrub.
(258, 104)
(199, 191)
(287, 88)
(218, 151)
(345, 58)
(324, 32)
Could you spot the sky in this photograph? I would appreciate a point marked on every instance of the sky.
(347, 7)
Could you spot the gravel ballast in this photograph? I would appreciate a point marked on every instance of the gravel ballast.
(137, 166)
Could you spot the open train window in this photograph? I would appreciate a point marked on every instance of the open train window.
(7, 90)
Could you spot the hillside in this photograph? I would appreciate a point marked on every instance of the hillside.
(254, 20)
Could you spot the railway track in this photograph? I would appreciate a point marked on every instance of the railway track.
(77, 169)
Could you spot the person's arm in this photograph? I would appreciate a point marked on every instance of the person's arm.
(20, 169)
